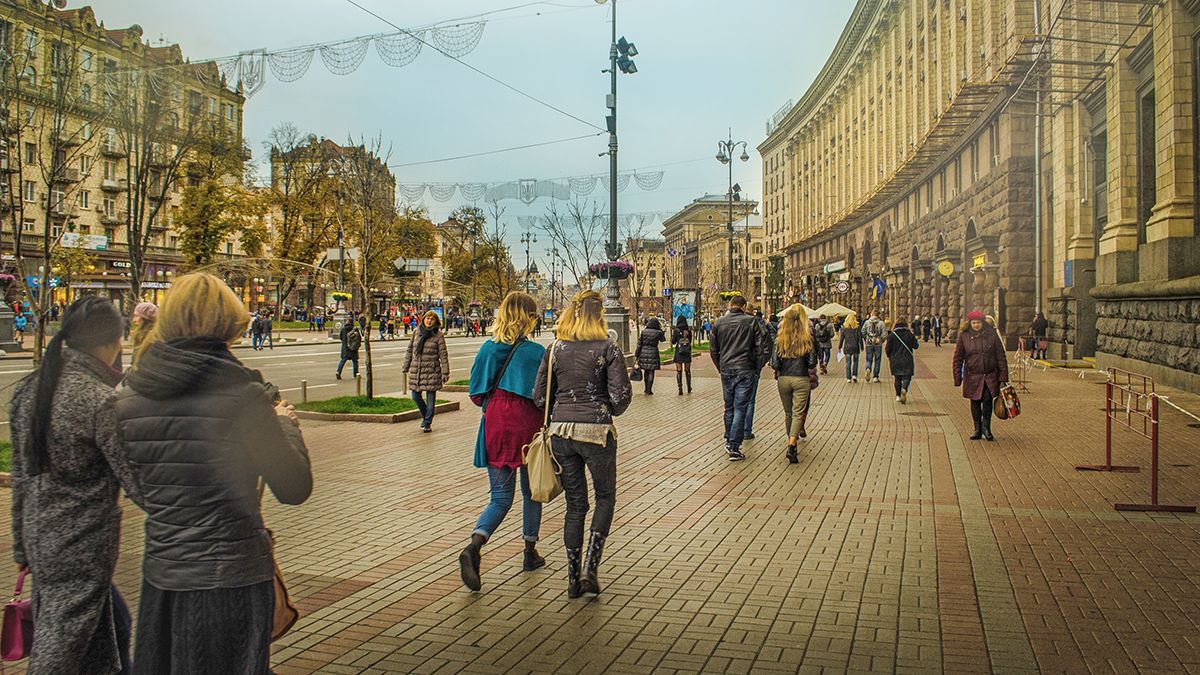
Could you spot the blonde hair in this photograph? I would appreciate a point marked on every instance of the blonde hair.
(583, 319)
(795, 338)
(516, 317)
(850, 322)
(199, 305)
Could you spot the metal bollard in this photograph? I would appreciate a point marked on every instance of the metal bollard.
(404, 382)
(304, 391)
(358, 385)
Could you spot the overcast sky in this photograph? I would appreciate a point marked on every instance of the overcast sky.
(704, 66)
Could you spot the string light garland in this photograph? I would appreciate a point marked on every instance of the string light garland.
(529, 190)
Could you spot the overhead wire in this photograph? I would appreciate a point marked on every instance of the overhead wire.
(489, 76)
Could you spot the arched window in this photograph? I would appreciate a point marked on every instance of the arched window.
(971, 233)
(941, 243)
(916, 255)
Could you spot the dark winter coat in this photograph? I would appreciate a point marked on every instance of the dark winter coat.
(591, 383)
(901, 347)
(67, 521)
(429, 368)
(344, 336)
(647, 348)
(681, 340)
(979, 361)
(851, 341)
(200, 429)
(739, 341)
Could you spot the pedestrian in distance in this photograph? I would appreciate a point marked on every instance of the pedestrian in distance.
(20, 323)
(207, 435)
(850, 345)
(794, 361)
(901, 350)
(68, 465)
(927, 328)
(823, 335)
(874, 333)
(647, 353)
(351, 339)
(256, 332)
(269, 329)
(681, 341)
(144, 316)
(502, 381)
(1039, 329)
(427, 364)
(739, 347)
(382, 327)
(980, 367)
(589, 386)
(938, 322)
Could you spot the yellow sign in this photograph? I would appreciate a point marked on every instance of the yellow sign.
(980, 260)
(945, 268)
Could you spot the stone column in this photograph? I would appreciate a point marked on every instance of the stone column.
(1119, 243)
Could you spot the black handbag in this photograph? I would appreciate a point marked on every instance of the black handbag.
(635, 375)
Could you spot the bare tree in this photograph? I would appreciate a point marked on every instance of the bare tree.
(579, 233)
(634, 232)
(49, 118)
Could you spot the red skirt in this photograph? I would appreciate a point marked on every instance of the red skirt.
(508, 425)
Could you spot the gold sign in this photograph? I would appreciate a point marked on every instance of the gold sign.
(979, 260)
(945, 268)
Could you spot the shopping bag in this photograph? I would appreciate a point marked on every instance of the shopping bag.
(1007, 405)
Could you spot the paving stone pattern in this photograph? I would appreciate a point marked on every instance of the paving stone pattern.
(895, 545)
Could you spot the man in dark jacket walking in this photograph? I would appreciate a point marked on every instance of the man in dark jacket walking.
(256, 332)
(351, 338)
(739, 347)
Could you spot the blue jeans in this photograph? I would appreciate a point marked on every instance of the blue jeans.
(901, 382)
(426, 406)
(737, 386)
(352, 358)
(503, 486)
(748, 427)
(851, 366)
(874, 359)
(256, 341)
(823, 355)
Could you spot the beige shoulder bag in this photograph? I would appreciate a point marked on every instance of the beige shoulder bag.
(543, 469)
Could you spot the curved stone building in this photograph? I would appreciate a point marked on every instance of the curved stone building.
(911, 159)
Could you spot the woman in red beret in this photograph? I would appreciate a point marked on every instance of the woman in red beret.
(980, 366)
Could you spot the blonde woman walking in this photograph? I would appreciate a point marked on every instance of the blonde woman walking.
(795, 363)
(589, 386)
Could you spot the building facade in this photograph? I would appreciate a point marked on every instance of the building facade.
(73, 153)
(694, 238)
(643, 291)
(963, 154)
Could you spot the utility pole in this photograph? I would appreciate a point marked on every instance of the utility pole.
(725, 150)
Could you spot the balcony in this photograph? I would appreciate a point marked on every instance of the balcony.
(114, 184)
(113, 149)
(114, 218)
(67, 175)
(61, 211)
(65, 140)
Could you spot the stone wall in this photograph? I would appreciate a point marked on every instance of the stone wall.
(1160, 331)
(1061, 313)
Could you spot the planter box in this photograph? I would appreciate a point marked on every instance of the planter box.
(406, 416)
(456, 388)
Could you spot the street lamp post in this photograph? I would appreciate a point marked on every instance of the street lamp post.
(725, 150)
(527, 239)
(620, 55)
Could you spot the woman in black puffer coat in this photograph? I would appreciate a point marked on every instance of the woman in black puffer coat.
(647, 352)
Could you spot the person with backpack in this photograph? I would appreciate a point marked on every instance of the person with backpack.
(681, 340)
(901, 350)
(256, 332)
(874, 332)
(823, 335)
(850, 344)
(20, 323)
(351, 338)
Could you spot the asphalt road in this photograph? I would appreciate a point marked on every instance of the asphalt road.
(287, 366)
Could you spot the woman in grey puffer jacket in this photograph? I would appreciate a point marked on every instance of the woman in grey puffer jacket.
(68, 465)
(428, 366)
(202, 429)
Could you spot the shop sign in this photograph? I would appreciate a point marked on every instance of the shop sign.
(91, 242)
(156, 284)
(979, 259)
(835, 267)
(122, 264)
(842, 286)
(35, 281)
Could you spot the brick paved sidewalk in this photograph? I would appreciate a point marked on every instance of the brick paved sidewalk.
(896, 544)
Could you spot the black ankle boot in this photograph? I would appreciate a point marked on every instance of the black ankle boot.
(679, 381)
(791, 455)
(532, 561)
(468, 563)
(987, 430)
(573, 557)
(978, 431)
(590, 583)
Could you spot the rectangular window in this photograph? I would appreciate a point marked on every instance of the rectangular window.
(85, 164)
(28, 225)
(56, 230)
(229, 112)
(229, 247)
(85, 199)
(174, 242)
(110, 170)
(110, 207)
(86, 59)
(30, 153)
(975, 160)
(942, 187)
(1147, 179)
(85, 92)
(30, 191)
(31, 41)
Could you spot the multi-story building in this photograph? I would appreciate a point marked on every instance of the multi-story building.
(643, 291)
(66, 89)
(914, 158)
(705, 220)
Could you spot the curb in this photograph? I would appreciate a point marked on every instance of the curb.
(456, 388)
(406, 416)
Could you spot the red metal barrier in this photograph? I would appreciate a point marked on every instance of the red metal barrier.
(1130, 400)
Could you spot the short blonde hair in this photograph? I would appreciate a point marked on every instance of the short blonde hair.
(516, 317)
(851, 322)
(199, 305)
(795, 338)
(583, 319)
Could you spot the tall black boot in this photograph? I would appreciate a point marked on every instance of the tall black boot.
(689, 381)
(978, 419)
(679, 381)
(573, 558)
(987, 428)
(532, 560)
(590, 582)
(468, 562)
